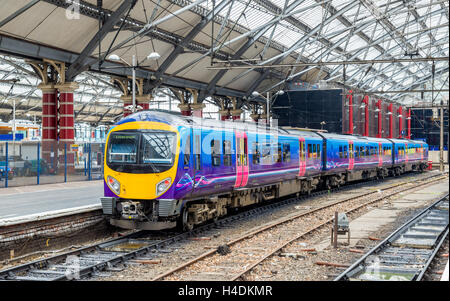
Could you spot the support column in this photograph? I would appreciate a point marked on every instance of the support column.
(66, 124)
(127, 101)
(224, 115)
(409, 124)
(197, 109)
(144, 101)
(235, 111)
(400, 122)
(391, 132)
(49, 123)
(350, 112)
(236, 114)
(366, 116)
(254, 115)
(185, 109)
(380, 121)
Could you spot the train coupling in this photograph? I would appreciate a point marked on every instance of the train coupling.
(132, 210)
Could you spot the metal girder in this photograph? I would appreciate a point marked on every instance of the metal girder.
(103, 115)
(424, 79)
(212, 84)
(18, 12)
(186, 40)
(27, 49)
(80, 63)
(377, 41)
(89, 10)
(278, 58)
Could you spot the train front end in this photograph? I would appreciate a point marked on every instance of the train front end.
(140, 167)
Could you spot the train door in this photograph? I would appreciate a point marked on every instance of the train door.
(188, 159)
(406, 152)
(197, 155)
(242, 168)
(351, 155)
(380, 154)
(302, 157)
(421, 152)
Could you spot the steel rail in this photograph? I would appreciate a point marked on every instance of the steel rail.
(387, 241)
(270, 226)
(122, 258)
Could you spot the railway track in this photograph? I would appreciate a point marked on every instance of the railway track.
(407, 253)
(251, 249)
(113, 255)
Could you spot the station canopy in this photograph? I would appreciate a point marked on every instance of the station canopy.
(194, 38)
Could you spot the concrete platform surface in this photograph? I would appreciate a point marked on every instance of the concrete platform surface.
(376, 219)
(40, 199)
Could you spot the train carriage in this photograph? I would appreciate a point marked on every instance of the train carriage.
(163, 170)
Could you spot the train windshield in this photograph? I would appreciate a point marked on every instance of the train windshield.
(158, 147)
(141, 151)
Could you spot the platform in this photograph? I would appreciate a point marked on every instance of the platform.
(22, 203)
(378, 218)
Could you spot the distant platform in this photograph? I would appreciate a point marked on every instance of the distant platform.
(35, 202)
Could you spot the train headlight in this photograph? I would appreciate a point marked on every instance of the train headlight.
(113, 184)
(162, 186)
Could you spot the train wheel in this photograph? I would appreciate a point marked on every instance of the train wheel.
(186, 225)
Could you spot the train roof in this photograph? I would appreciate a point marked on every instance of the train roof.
(176, 119)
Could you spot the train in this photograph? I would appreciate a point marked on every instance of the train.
(164, 170)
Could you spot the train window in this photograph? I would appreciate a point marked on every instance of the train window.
(265, 153)
(340, 152)
(187, 151)
(198, 158)
(367, 151)
(256, 153)
(345, 152)
(309, 151)
(278, 156)
(287, 152)
(227, 153)
(318, 151)
(314, 151)
(302, 150)
(356, 152)
(215, 152)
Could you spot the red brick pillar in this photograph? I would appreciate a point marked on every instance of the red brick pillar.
(224, 115)
(144, 102)
(400, 122)
(254, 117)
(236, 114)
(66, 125)
(197, 109)
(391, 123)
(49, 124)
(127, 101)
(185, 109)
(409, 124)
(366, 115)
